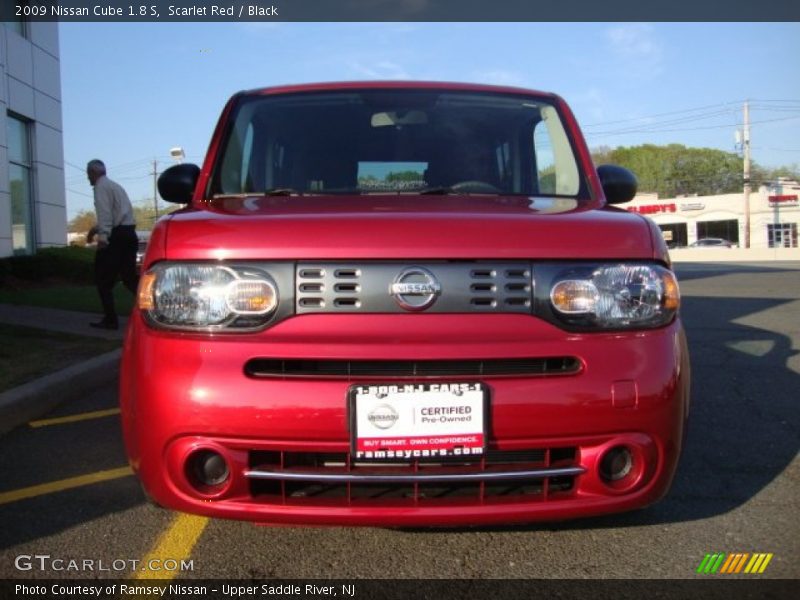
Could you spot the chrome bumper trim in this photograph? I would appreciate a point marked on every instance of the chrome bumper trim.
(297, 475)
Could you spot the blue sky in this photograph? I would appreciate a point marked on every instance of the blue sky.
(132, 91)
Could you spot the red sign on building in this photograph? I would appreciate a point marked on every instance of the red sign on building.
(653, 209)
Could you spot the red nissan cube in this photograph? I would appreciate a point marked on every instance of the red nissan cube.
(403, 304)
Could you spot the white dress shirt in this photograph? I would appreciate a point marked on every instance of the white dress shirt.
(112, 207)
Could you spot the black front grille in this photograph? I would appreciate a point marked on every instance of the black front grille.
(394, 369)
(367, 493)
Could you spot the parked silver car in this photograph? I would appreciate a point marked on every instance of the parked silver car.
(712, 243)
(144, 237)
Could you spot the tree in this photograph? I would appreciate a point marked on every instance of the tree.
(412, 176)
(144, 215)
(768, 175)
(674, 170)
(82, 222)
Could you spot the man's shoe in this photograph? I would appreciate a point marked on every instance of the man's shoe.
(104, 325)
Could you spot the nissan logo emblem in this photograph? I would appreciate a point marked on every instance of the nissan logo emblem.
(415, 288)
(383, 416)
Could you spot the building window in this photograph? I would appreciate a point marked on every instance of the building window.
(13, 22)
(727, 230)
(782, 235)
(675, 234)
(19, 175)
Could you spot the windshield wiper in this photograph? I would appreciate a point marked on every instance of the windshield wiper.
(269, 192)
(442, 190)
(278, 191)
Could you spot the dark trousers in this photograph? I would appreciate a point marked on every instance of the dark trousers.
(116, 261)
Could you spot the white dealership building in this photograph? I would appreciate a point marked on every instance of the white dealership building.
(774, 217)
(33, 210)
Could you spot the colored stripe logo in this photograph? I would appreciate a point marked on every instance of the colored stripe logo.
(734, 562)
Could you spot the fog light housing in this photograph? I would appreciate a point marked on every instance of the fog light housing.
(207, 470)
(616, 464)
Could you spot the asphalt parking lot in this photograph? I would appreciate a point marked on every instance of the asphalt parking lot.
(66, 491)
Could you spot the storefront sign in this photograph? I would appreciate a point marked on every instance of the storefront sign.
(783, 200)
(693, 206)
(653, 209)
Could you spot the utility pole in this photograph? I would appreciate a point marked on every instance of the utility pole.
(746, 148)
(155, 188)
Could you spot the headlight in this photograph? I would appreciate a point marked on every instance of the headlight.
(615, 296)
(206, 297)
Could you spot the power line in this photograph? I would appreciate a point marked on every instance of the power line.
(685, 119)
(627, 131)
(74, 166)
(644, 128)
(674, 112)
(132, 177)
(658, 125)
(777, 109)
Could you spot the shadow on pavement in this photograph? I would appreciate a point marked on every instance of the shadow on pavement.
(32, 456)
(690, 271)
(744, 417)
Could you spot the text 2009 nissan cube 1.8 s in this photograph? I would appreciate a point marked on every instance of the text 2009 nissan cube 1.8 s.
(403, 304)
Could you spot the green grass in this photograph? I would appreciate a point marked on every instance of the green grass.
(27, 353)
(67, 297)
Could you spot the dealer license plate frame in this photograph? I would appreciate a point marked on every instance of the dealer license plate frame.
(479, 395)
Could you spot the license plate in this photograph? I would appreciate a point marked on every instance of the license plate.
(419, 420)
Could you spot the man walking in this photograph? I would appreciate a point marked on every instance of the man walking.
(116, 241)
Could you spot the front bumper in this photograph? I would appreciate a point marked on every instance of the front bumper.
(184, 393)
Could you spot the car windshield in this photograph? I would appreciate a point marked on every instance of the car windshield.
(397, 141)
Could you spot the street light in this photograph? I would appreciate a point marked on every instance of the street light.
(177, 154)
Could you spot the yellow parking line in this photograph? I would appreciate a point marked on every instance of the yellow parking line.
(175, 544)
(97, 414)
(63, 484)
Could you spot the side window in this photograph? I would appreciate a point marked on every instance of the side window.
(246, 183)
(556, 169)
(545, 163)
(232, 174)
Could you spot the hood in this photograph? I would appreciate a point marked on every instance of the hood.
(405, 227)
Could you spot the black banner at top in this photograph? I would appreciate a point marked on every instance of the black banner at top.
(397, 10)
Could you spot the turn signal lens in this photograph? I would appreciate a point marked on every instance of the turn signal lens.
(147, 284)
(574, 297)
(672, 296)
(251, 297)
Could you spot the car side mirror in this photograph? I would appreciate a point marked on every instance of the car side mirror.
(177, 183)
(619, 184)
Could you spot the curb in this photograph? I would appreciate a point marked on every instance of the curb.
(31, 400)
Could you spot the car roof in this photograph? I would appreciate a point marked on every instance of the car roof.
(394, 85)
